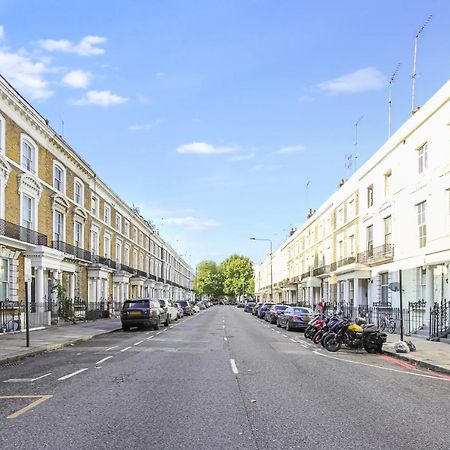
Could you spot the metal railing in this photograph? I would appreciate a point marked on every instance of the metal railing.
(439, 320)
(105, 261)
(376, 255)
(72, 250)
(23, 234)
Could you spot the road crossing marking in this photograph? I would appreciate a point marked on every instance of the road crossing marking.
(225, 338)
(25, 380)
(40, 399)
(303, 345)
(293, 340)
(279, 332)
(103, 360)
(125, 349)
(137, 343)
(110, 348)
(234, 367)
(159, 332)
(150, 337)
(65, 377)
(284, 335)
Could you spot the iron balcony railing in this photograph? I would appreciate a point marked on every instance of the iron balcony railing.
(125, 268)
(376, 255)
(321, 270)
(140, 273)
(23, 234)
(78, 252)
(105, 261)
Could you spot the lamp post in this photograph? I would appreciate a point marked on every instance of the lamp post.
(271, 269)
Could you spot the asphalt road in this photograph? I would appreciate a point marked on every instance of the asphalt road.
(219, 380)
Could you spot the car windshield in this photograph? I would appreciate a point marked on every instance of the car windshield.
(301, 311)
(184, 303)
(280, 307)
(136, 304)
(162, 303)
(267, 305)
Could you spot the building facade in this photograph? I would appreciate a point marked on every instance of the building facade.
(391, 217)
(61, 225)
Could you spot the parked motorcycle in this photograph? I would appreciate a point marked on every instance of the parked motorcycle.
(353, 335)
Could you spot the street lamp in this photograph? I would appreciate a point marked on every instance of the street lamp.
(271, 270)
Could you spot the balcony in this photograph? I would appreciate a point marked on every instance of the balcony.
(376, 255)
(23, 234)
(105, 261)
(321, 270)
(125, 268)
(140, 273)
(78, 252)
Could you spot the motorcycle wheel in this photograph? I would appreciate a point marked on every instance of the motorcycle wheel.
(308, 333)
(370, 348)
(322, 340)
(391, 328)
(317, 337)
(331, 343)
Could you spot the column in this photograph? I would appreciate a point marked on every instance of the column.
(72, 286)
(97, 290)
(429, 287)
(356, 291)
(39, 289)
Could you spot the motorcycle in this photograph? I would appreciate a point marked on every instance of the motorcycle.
(353, 335)
(313, 325)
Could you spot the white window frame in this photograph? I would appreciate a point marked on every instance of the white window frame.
(369, 242)
(135, 259)
(118, 224)
(135, 237)
(78, 182)
(75, 223)
(6, 281)
(384, 287)
(62, 235)
(387, 183)
(24, 139)
(126, 228)
(107, 214)
(60, 167)
(95, 240)
(422, 158)
(33, 208)
(370, 196)
(107, 245)
(126, 255)
(95, 201)
(387, 223)
(118, 251)
(422, 223)
(2, 135)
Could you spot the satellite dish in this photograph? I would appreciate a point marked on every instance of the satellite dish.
(394, 287)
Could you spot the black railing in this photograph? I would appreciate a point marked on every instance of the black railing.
(440, 320)
(376, 255)
(140, 273)
(23, 234)
(321, 270)
(125, 268)
(416, 315)
(78, 252)
(105, 261)
(345, 261)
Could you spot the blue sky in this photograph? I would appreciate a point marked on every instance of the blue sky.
(212, 116)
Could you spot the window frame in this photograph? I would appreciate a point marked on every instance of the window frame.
(75, 223)
(78, 182)
(422, 158)
(107, 214)
(370, 196)
(422, 223)
(62, 182)
(95, 200)
(6, 281)
(61, 236)
(34, 158)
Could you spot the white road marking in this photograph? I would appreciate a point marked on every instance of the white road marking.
(137, 343)
(103, 360)
(65, 377)
(293, 340)
(303, 345)
(225, 338)
(159, 332)
(283, 335)
(233, 366)
(272, 329)
(150, 337)
(170, 326)
(382, 368)
(279, 332)
(125, 349)
(25, 380)
(110, 348)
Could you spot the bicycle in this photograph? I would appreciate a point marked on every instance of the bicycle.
(387, 323)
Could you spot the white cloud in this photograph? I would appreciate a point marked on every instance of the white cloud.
(204, 149)
(145, 126)
(242, 157)
(88, 46)
(100, 98)
(77, 79)
(192, 223)
(362, 80)
(291, 149)
(25, 74)
(2, 32)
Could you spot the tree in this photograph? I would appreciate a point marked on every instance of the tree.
(237, 273)
(208, 280)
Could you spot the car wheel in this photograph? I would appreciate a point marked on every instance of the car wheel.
(125, 328)
(288, 328)
(157, 324)
(278, 324)
(167, 322)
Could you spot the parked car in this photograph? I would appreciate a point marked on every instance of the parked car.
(249, 306)
(143, 313)
(295, 317)
(180, 313)
(201, 305)
(256, 308)
(195, 308)
(240, 304)
(263, 309)
(187, 308)
(173, 312)
(273, 313)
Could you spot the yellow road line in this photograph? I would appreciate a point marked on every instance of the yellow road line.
(40, 399)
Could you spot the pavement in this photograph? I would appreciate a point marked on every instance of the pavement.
(13, 345)
(429, 355)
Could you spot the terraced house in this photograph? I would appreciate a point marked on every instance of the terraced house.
(61, 225)
(391, 216)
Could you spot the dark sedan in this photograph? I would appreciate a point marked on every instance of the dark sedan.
(249, 306)
(273, 313)
(263, 309)
(294, 318)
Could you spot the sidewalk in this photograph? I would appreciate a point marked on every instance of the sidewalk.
(13, 346)
(429, 355)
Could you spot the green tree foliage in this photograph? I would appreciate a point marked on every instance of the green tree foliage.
(237, 273)
(208, 280)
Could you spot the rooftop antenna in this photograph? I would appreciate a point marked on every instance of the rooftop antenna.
(414, 75)
(355, 154)
(391, 81)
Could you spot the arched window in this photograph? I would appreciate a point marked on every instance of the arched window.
(28, 154)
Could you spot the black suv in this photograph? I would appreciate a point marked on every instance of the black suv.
(143, 313)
